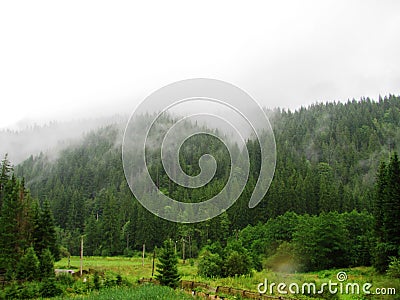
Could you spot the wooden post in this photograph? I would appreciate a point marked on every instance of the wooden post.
(81, 269)
(190, 247)
(183, 250)
(144, 249)
(154, 258)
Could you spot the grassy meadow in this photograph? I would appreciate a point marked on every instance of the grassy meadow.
(131, 270)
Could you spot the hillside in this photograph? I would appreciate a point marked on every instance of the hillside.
(327, 158)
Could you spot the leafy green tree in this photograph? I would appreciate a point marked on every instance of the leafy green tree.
(167, 267)
(321, 242)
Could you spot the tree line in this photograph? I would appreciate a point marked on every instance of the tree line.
(328, 156)
(28, 241)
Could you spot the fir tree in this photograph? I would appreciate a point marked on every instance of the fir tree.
(46, 264)
(387, 213)
(167, 268)
(28, 266)
(45, 232)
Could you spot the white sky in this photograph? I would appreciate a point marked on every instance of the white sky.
(71, 59)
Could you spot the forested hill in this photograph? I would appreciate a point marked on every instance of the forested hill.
(327, 158)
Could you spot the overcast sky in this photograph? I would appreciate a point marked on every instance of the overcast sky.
(71, 59)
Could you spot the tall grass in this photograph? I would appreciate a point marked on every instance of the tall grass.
(144, 292)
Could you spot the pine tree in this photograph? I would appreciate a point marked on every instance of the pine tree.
(387, 213)
(391, 205)
(46, 264)
(10, 236)
(45, 232)
(5, 171)
(167, 268)
(28, 266)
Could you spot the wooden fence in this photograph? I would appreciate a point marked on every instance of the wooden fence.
(209, 292)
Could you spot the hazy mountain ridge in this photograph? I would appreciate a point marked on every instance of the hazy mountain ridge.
(49, 138)
(327, 157)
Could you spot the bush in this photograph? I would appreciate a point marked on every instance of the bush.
(96, 281)
(29, 290)
(210, 265)
(50, 288)
(65, 279)
(394, 267)
(237, 264)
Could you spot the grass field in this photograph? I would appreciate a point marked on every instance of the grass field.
(131, 269)
(144, 292)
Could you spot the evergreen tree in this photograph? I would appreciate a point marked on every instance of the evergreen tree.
(391, 205)
(46, 264)
(167, 268)
(387, 213)
(45, 232)
(11, 243)
(28, 266)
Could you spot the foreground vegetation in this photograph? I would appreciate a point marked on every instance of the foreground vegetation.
(334, 204)
(131, 270)
(145, 292)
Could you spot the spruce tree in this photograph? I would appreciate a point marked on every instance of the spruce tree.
(167, 268)
(391, 205)
(10, 236)
(387, 213)
(45, 232)
(28, 266)
(46, 264)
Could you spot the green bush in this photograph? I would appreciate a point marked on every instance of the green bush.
(394, 267)
(96, 281)
(210, 265)
(237, 264)
(50, 288)
(65, 279)
(29, 290)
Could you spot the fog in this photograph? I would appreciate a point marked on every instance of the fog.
(91, 60)
(19, 144)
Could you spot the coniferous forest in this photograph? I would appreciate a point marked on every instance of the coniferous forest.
(334, 200)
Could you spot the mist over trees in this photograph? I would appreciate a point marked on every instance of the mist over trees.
(328, 156)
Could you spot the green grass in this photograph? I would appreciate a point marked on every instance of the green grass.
(144, 292)
(131, 269)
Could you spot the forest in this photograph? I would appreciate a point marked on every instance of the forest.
(334, 200)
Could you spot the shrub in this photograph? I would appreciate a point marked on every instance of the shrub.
(96, 281)
(50, 288)
(394, 267)
(237, 264)
(65, 279)
(210, 265)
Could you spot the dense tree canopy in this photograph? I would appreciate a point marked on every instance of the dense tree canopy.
(327, 159)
